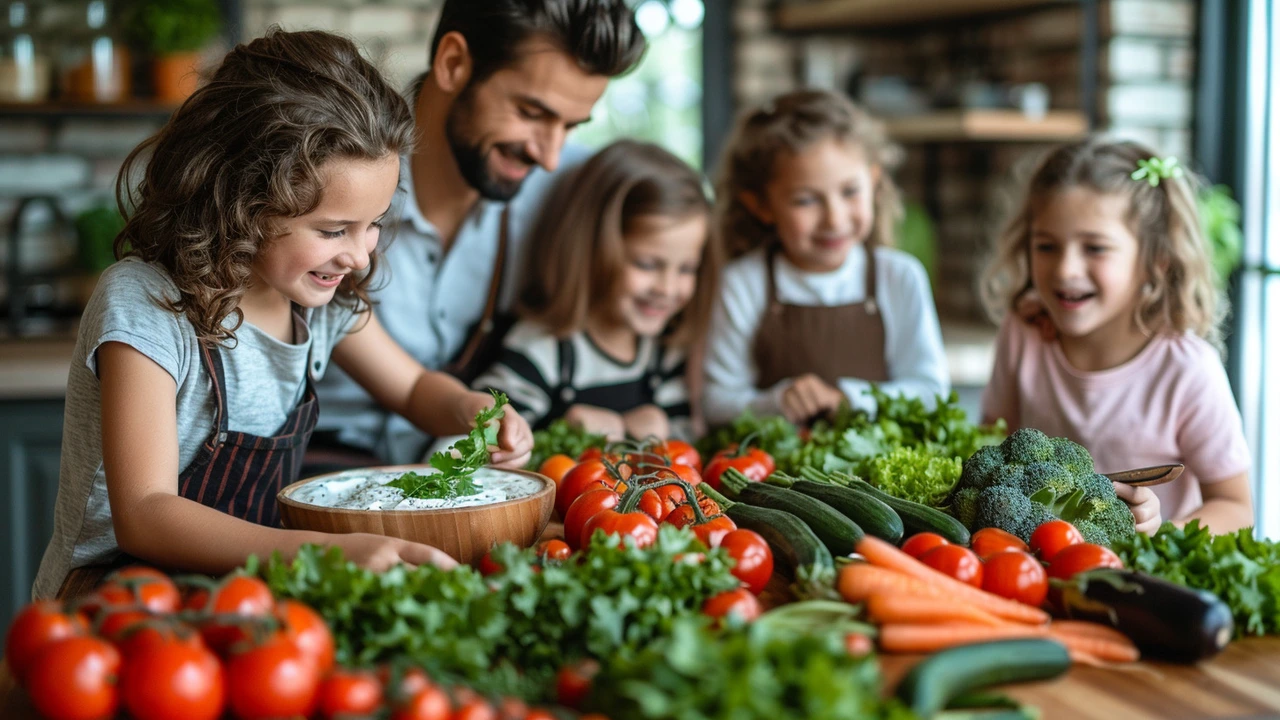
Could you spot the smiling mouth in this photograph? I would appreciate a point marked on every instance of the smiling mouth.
(327, 277)
(1073, 296)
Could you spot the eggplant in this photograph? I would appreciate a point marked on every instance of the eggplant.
(1165, 620)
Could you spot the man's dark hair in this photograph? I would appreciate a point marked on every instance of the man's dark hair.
(601, 35)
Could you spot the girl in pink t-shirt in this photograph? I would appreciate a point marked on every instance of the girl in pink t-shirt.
(1124, 358)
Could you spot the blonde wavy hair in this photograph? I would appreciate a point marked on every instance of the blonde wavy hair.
(245, 150)
(578, 253)
(1180, 294)
(789, 124)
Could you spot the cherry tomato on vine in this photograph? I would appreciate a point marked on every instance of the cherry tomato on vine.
(958, 562)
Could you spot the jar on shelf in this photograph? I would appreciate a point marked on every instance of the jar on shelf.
(25, 70)
(94, 64)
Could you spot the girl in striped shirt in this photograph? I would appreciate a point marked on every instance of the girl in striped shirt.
(621, 276)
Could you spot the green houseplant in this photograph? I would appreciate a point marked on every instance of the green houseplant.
(174, 32)
(1220, 219)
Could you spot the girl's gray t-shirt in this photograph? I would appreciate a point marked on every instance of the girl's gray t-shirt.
(265, 379)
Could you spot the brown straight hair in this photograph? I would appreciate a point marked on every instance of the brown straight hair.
(247, 148)
(578, 247)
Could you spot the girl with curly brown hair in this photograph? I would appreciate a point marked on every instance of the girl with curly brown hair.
(252, 233)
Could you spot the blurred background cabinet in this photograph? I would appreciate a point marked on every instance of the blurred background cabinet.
(30, 451)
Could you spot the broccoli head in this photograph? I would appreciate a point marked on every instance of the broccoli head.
(1047, 475)
(1072, 456)
(1006, 508)
(964, 505)
(1112, 516)
(980, 466)
(1096, 485)
(1027, 446)
(1092, 532)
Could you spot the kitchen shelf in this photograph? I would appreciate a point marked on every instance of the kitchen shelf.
(850, 14)
(987, 125)
(132, 110)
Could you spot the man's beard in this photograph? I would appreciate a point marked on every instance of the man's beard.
(472, 158)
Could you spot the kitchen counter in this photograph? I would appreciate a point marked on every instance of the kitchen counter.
(35, 368)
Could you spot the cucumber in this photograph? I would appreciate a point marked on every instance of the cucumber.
(916, 518)
(869, 513)
(837, 532)
(797, 552)
(793, 543)
(931, 685)
(1165, 620)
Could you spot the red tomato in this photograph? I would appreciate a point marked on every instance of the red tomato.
(428, 703)
(114, 624)
(136, 585)
(157, 632)
(38, 625)
(857, 644)
(408, 683)
(586, 476)
(713, 531)
(672, 472)
(989, 541)
(489, 566)
(272, 680)
(683, 515)
(240, 595)
(756, 464)
(513, 709)
(753, 560)
(554, 550)
(573, 682)
(958, 562)
(640, 527)
(587, 506)
(738, 602)
(539, 714)
(171, 680)
(75, 679)
(1050, 538)
(349, 692)
(1016, 575)
(474, 709)
(1080, 557)
(308, 631)
(921, 543)
(679, 452)
(556, 467)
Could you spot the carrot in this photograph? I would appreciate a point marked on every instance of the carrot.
(1084, 628)
(1104, 649)
(885, 608)
(923, 638)
(878, 552)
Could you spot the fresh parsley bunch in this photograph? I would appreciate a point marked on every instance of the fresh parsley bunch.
(455, 465)
(1240, 569)
(561, 438)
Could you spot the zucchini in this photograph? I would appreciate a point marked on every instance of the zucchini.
(1165, 620)
(932, 684)
(916, 518)
(796, 549)
(840, 534)
(869, 513)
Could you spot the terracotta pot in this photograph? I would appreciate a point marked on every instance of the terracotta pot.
(176, 76)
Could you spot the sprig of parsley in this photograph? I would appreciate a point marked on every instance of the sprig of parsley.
(455, 465)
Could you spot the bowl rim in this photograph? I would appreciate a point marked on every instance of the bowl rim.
(283, 496)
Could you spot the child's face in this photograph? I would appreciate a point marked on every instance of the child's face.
(1085, 261)
(661, 272)
(821, 203)
(311, 255)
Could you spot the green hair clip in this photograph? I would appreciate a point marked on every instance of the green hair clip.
(1154, 170)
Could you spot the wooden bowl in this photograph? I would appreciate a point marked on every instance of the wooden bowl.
(466, 533)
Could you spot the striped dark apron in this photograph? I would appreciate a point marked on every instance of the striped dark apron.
(234, 472)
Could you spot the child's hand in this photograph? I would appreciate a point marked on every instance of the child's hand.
(597, 420)
(1144, 505)
(515, 441)
(809, 396)
(647, 421)
(1031, 309)
(380, 553)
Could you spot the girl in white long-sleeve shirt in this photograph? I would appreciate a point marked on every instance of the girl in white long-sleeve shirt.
(817, 307)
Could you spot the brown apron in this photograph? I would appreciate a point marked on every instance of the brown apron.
(234, 472)
(830, 341)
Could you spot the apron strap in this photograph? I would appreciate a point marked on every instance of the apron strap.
(211, 356)
(872, 304)
(771, 287)
(486, 324)
(653, 373)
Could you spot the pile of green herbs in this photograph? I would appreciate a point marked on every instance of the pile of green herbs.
(1240, 569)
(856, 442)
(507, 633)
(455, 465)
(561, 438)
